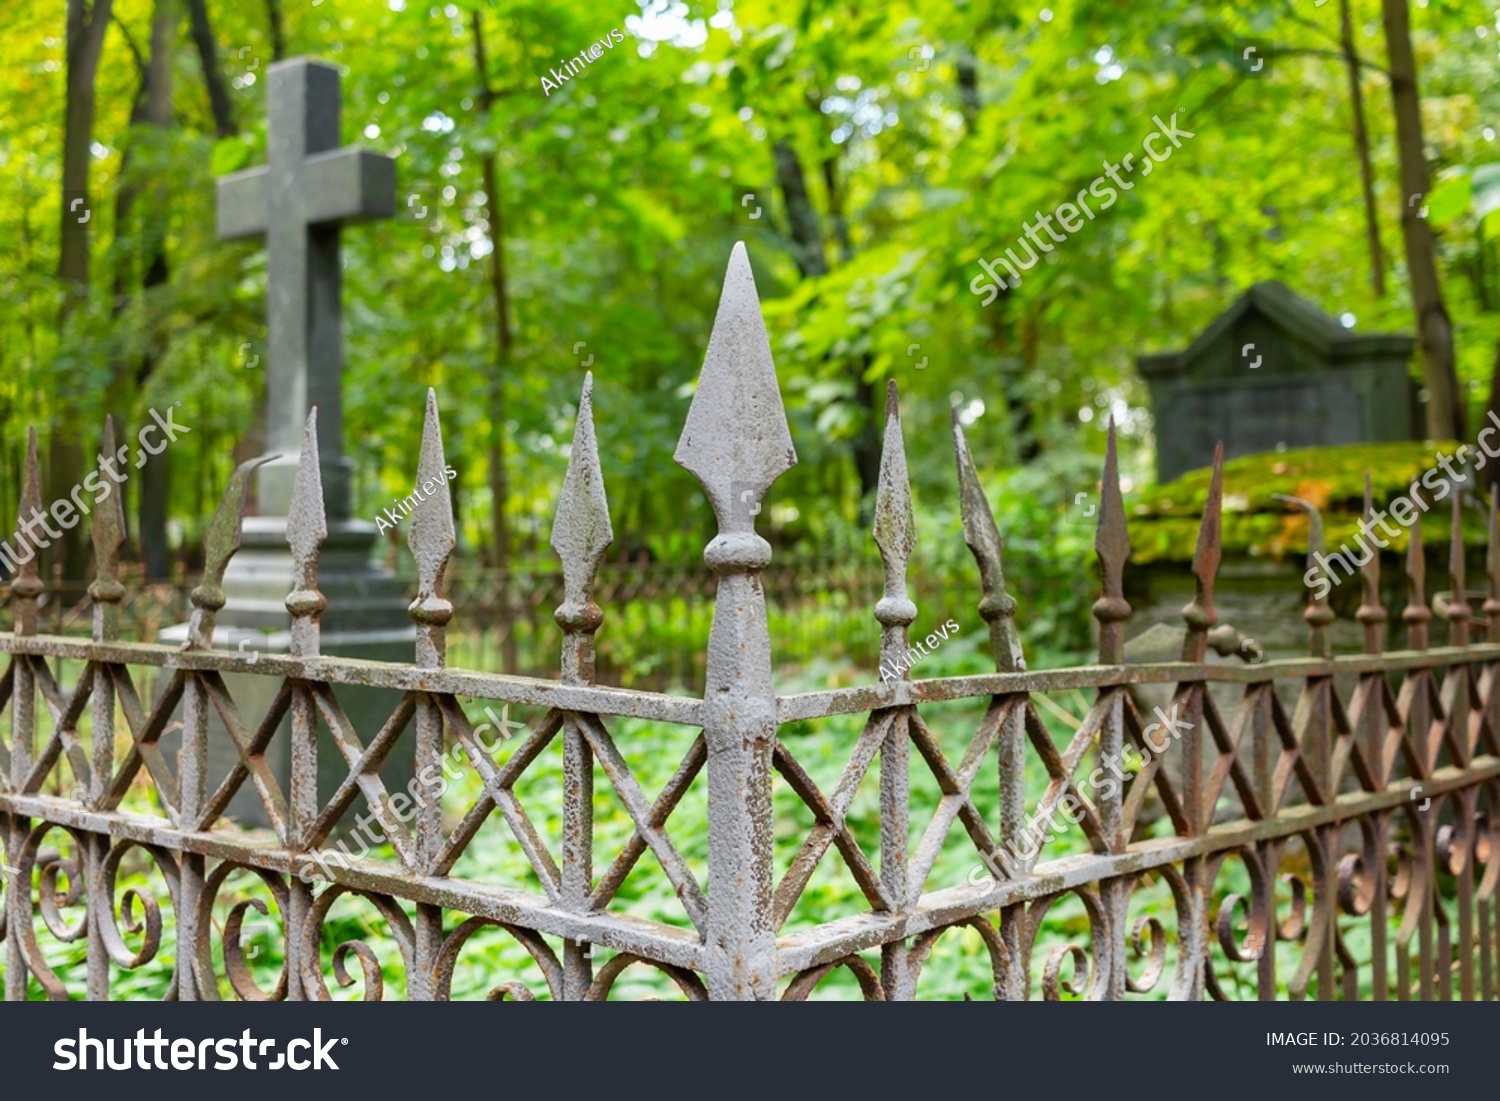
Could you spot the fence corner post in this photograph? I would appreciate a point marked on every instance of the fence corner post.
(736, 442)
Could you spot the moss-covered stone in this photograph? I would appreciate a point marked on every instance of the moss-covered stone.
(1164, 519)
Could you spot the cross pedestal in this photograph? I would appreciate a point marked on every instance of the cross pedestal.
(298, 201)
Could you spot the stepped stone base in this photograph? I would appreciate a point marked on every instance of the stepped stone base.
(366, 618)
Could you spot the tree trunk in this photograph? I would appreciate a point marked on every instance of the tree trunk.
(85, 41)
(155, 478)
(1445, 410)
(808, 248)
(1362, 148)
(966, 71)
(1492, 469)
(278, 36)
(208, 56)
(499, 478)
(802, 218)
(153, 108)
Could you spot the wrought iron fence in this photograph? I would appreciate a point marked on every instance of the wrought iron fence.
(506, 625)
(1342, 847)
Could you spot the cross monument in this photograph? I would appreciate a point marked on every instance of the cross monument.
(309, 188)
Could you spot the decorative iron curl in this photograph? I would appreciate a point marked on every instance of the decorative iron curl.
(1240, 945)
(1356, 885)
(26, 865)
(1455, 845)
(1153, 948)
(1294, 928)
(1084, 980)
(1054, 985)
(51, 905)
(148, 925)
(235, 967)
(529, 939)
(1486, 855)
(687, 981)
(807, 981)
(1321, 931)
(1148, 937)
(1000, 961)
(311, 933)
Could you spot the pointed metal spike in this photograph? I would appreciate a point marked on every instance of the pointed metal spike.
(26, 585)
(1318, 615)
(736, 440)
(107, 531)
(307, 522)
(997, 608)
(581, 530)
(1416, 614)
(1371, 610)
(581, 533)
(1200, 613)
(1112, 546)
(1459, 610)
(306, 529)
(220, 542)
(895, 528)
(1492, 562)
(432, 539)
(108, 527)
(895, 533)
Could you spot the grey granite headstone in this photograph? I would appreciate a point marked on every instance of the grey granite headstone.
(1275, 371)
(298, 202)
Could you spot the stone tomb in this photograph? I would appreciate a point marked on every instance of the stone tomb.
(1275, 372)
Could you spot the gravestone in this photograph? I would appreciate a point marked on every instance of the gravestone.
(298, 202)
(1275, 372)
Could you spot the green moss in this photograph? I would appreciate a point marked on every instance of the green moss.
(1164, 519)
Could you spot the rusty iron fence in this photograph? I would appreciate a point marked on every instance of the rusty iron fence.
(506, 625)
(1328, 824)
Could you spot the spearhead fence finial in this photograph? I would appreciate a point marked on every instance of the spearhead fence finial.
(27, 586)
(581, 533)
(1199, 613)
(1318, 614)
(895, 534)
(1112, 545)
(736, 441)
(220, 542)
(997, 607)
(1459, 611)
(108, 533)
(431, 539)
(1492, 564)
(1416, 614)
(306, 528)
(1371, 611)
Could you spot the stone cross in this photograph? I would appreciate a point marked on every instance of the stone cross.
(298, 201)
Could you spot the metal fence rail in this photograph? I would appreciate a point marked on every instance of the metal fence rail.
(506, 623)
(1371, 803)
